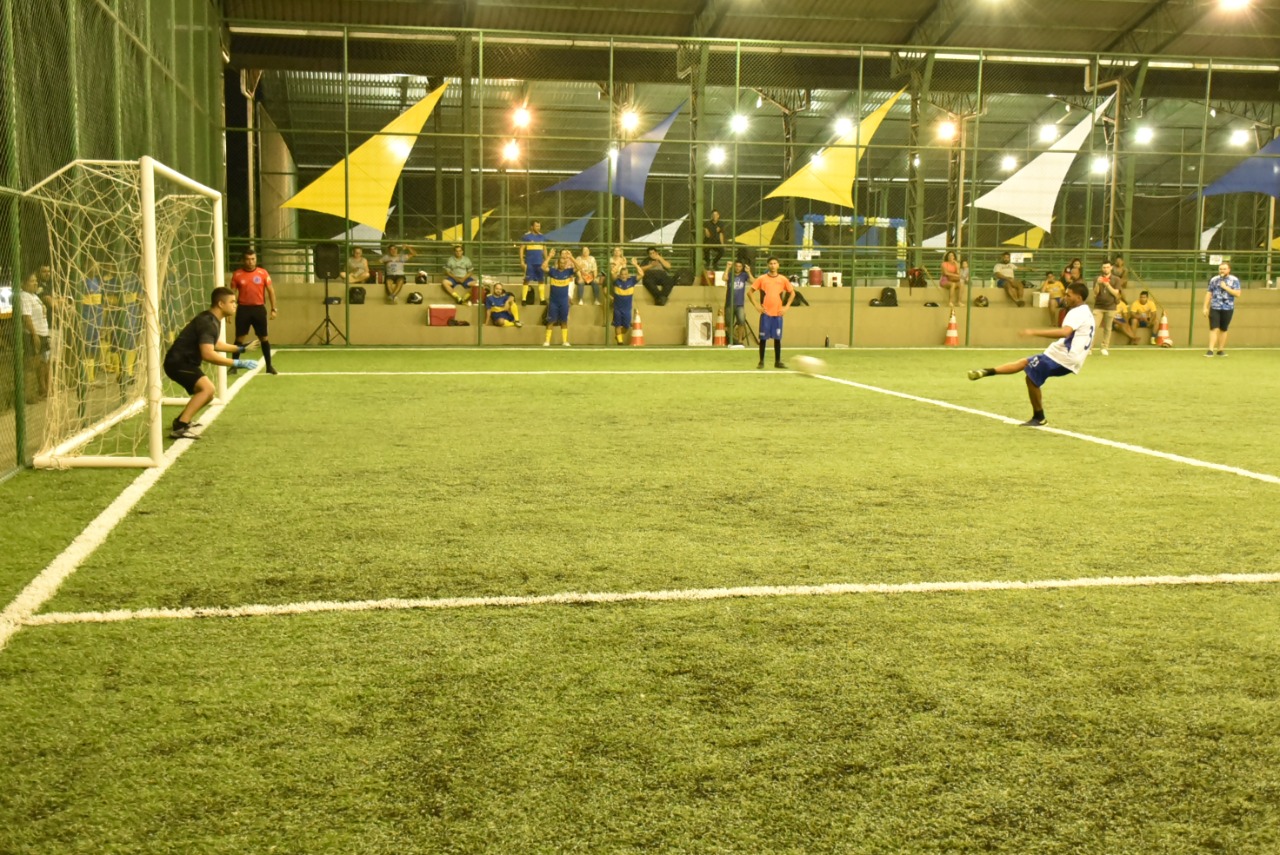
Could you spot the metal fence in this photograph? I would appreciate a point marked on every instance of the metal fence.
(970, 134)
(90, 79)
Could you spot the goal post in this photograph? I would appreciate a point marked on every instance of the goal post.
(136, 248)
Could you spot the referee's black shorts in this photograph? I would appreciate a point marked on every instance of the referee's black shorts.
(251, 316)
(184, 375)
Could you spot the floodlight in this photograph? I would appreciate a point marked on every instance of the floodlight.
(1008, 163)
(1100, 165)
(844, 126)
(816, 159)
(629, 121)
(947, 131)
(1143, 135)
(738, 124)
(521, 117)
(716, 155)
(511, 151)
(1240, 137)
(1048, 133)
(1233, 5)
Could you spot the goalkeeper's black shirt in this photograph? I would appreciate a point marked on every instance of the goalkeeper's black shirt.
(185, 350)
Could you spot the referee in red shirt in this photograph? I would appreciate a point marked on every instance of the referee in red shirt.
(252, 283)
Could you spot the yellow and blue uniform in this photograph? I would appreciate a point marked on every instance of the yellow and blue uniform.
(534, 245)
(122, 316)
(623, 292)
(561, 282)
(501, 309)
(91, 318)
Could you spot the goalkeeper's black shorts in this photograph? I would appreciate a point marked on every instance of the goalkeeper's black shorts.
(184, 375)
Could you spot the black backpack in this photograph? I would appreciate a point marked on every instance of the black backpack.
(355, 295)
(888, 296)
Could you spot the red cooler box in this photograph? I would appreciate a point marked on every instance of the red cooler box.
(439, 314)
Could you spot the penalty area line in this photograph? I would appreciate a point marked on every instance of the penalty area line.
(1083, 437)
(754, 373)
(605, 598)
(40, 589)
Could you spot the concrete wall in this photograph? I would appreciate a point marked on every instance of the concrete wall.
(910, 324)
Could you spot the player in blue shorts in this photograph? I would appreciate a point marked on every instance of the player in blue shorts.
(500, 308)
(561, 277)
(623, 290)
(1062, 357)
(533, 258)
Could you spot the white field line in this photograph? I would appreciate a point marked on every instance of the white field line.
(683, 348)
(756, 373)
(43, 587)
(575, 598)
(1084, 437)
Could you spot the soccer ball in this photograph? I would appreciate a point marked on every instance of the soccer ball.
(808, 364)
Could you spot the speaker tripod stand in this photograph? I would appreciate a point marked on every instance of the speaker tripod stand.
(327, 331)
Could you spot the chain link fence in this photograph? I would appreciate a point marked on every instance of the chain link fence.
(1113, 151)
(87, 79)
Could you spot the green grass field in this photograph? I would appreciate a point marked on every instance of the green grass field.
(1060, 720)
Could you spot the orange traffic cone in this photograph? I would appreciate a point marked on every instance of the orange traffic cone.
(953, 335)
(719, 340)
(637, 332)
(1163, 338)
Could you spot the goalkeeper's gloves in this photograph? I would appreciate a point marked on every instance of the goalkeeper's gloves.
(246, 364)
(243, 348)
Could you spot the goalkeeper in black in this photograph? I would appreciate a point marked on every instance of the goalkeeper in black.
(196, 344)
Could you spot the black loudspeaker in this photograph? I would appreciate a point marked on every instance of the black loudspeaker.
(327, 259)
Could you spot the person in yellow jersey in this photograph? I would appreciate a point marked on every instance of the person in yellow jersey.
(1056, 290)
(772, 294)
(1145, 314)
(560, 279)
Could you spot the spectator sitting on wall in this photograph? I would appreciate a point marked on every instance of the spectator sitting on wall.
(1120, 322)
(1056, 291)
(501, 309)
(357, 268)
(657, 280)
(1007, 278)
(458, 275)
(1144, 314)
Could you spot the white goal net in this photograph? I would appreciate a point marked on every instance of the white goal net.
(135, 250)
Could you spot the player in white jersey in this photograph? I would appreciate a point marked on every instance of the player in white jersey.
(1062, 357)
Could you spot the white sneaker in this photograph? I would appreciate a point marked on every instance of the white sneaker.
(1106, 352)
(546, 344)
(566, 344)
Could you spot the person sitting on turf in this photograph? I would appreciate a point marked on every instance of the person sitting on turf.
(198, 342)
(501, 308)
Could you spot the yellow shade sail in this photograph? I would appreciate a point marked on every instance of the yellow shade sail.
(830, 178)
(455, 233)
(1031, 239)
(761, 235)
(360, 186)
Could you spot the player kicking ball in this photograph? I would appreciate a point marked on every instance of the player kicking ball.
(1065, 356)
(197, 343)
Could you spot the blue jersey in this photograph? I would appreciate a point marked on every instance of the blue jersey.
(1218, 296)
(535, 247)
(561, 281)
(624, 287)
(740, 284)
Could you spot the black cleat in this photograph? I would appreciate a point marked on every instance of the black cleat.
(760, 364)
(271, 369)
(183, 433)
(1033, 422)
(780, 364)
